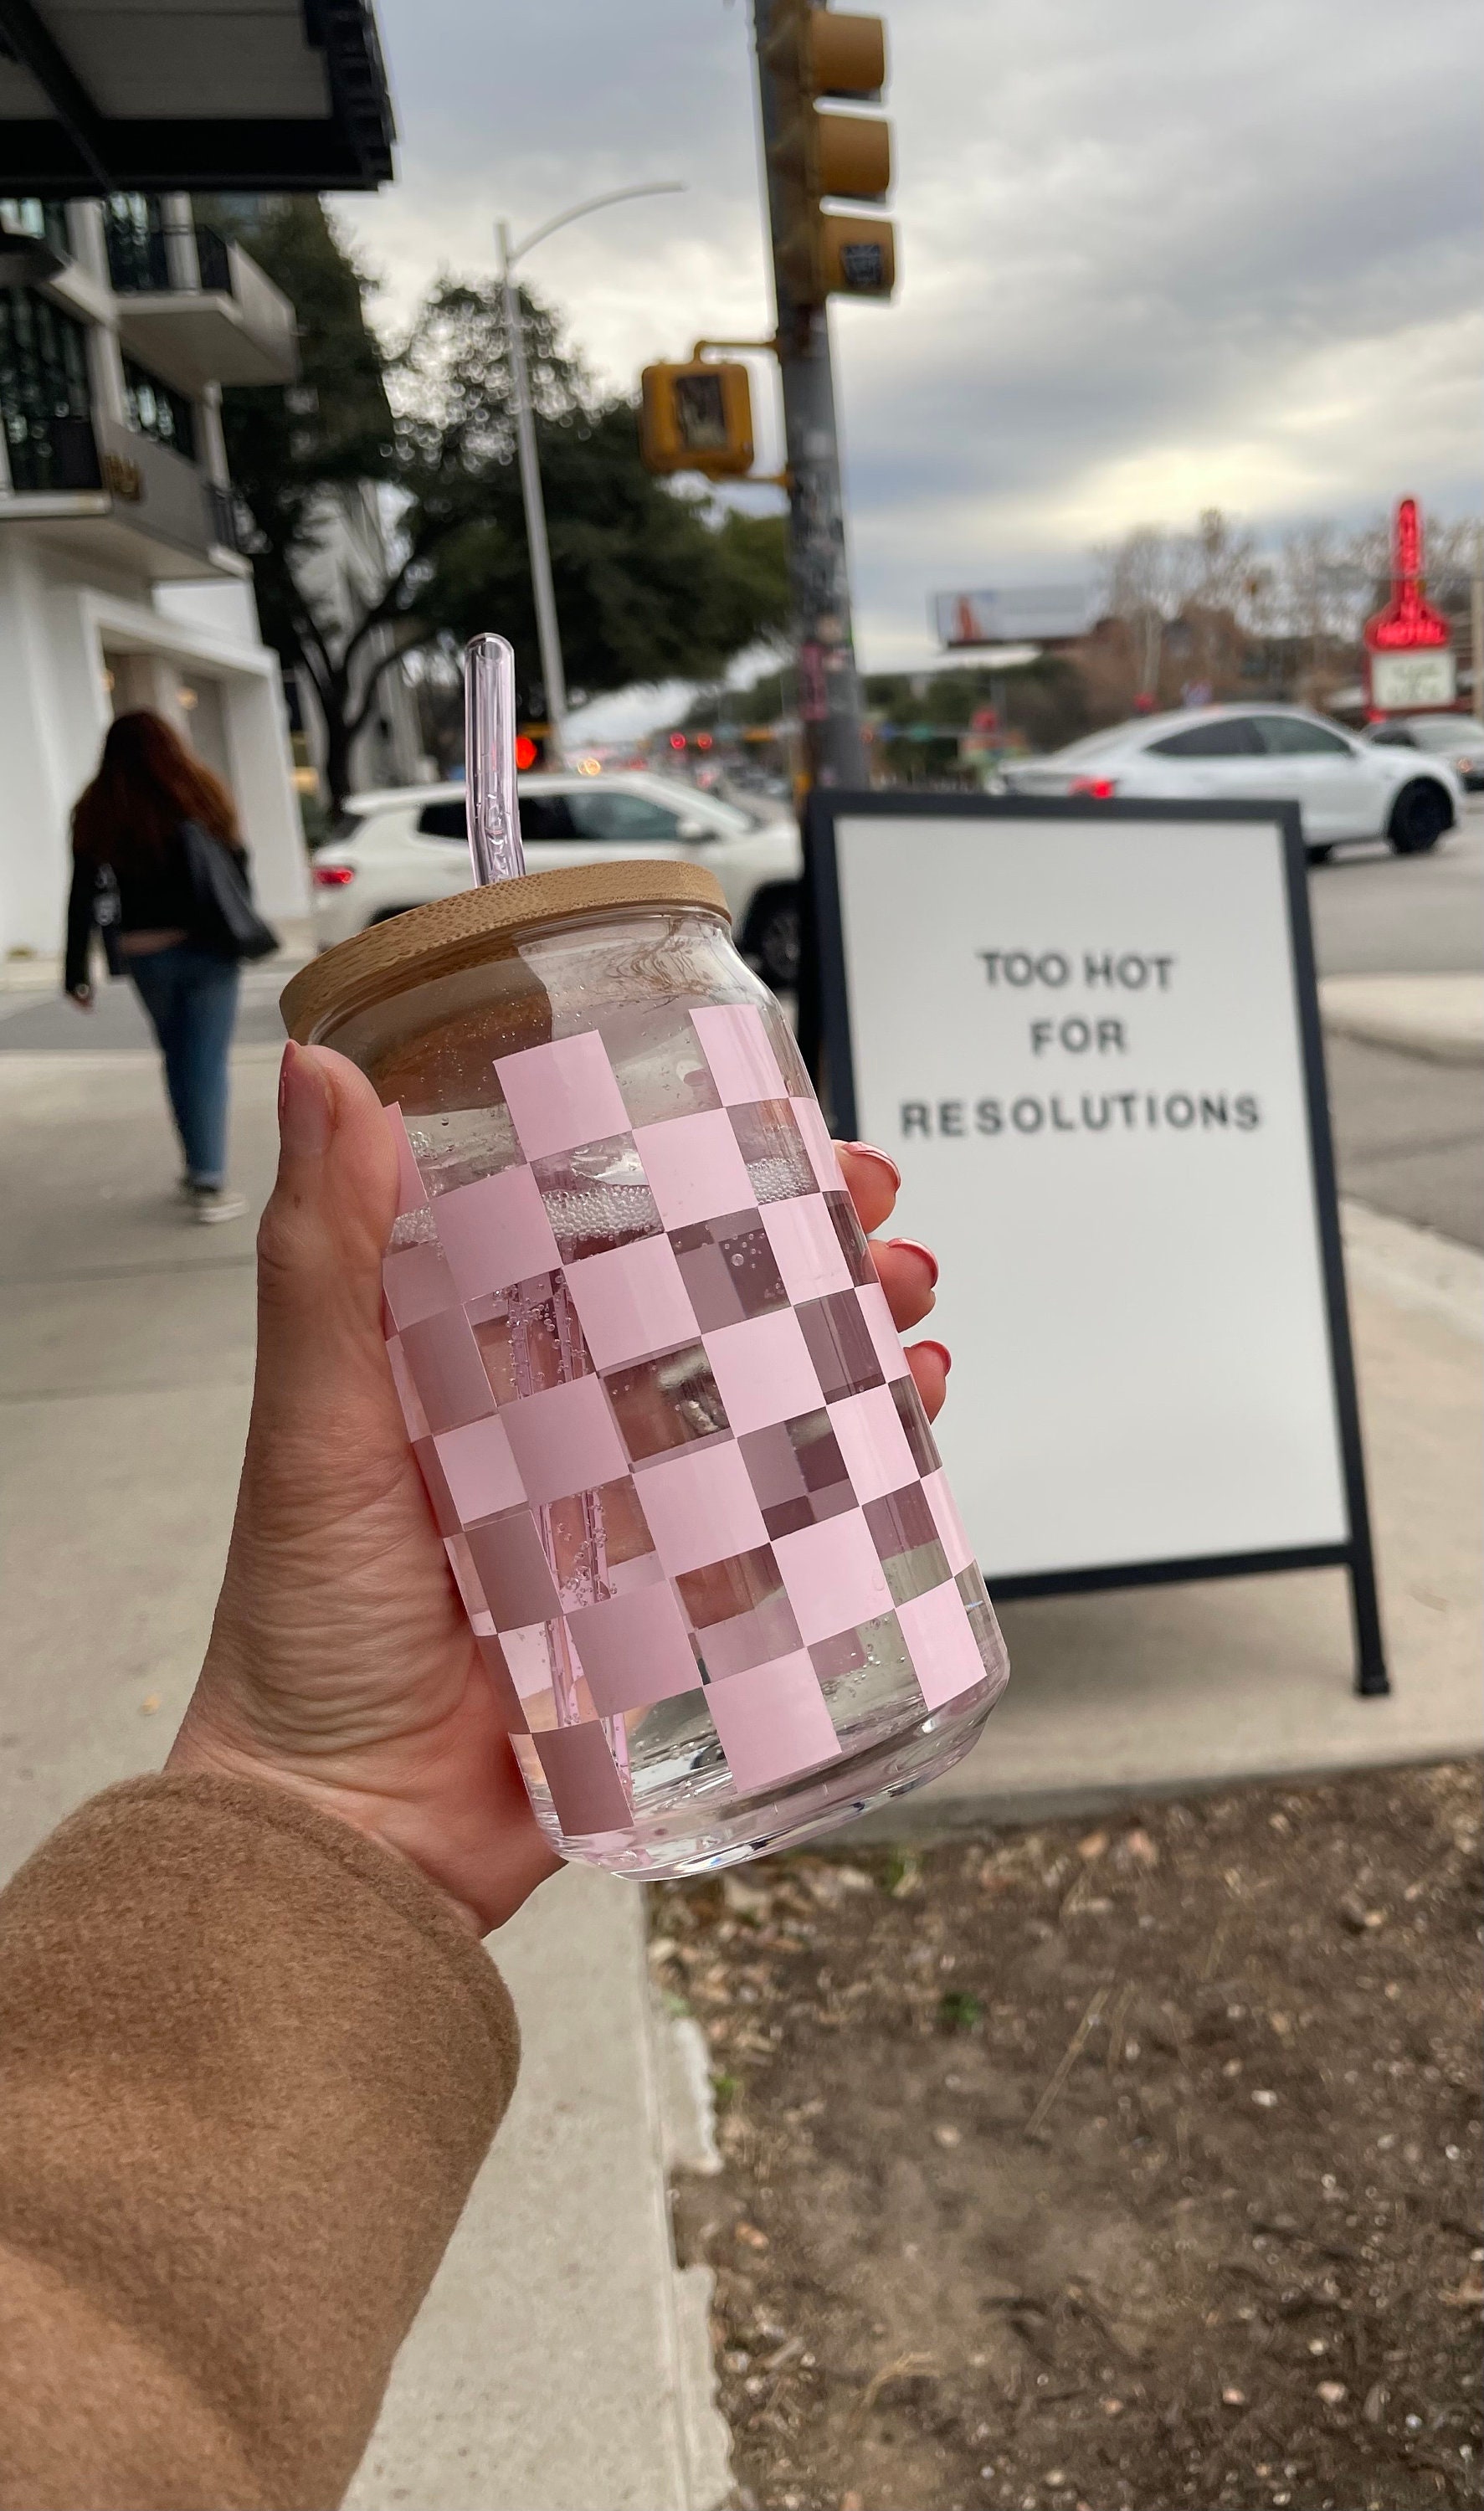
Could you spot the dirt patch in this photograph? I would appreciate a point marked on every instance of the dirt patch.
(1133, 2164)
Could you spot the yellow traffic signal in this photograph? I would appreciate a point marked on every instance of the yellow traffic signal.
(817, 156)
(696, 417)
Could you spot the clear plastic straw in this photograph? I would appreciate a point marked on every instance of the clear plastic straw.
(489, 772)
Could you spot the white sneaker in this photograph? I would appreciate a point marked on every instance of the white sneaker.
(211, 1203)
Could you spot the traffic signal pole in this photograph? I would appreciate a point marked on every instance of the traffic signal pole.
(829, 685)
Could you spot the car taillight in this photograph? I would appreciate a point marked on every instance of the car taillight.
(333, 875)
(1094, 789)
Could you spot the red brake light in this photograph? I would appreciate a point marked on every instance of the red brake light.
(1094, 789)
(525, 751)
(333, 875)
(677, 741)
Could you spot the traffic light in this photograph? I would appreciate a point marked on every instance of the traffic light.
(696, 417)
(815, 156)
(531, 746)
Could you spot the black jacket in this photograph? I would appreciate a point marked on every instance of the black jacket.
(155, 894)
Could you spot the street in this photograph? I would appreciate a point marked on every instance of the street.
(1409, 1132)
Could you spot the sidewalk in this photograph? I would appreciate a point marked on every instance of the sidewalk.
(559, 2364)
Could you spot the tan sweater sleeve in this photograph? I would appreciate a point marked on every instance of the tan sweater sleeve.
(248, 2065)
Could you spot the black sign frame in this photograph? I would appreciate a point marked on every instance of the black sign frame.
(825, 1037)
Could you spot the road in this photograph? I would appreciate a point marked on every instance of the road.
(1409, 1133)
(1377, 913)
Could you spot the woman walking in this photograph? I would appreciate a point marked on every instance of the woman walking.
(156, 860)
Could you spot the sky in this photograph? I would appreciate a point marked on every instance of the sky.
(1151, 256)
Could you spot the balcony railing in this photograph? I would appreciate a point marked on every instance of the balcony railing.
(214, 261)
(139, 258)
(50, 455)
(192, 306)
(220, 513)
(149, 487)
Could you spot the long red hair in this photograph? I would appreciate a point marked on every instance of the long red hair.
(147, 782)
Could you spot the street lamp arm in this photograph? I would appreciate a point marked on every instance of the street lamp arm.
(600, 201)
(548, 634)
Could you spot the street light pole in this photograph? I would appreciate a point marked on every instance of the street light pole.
(548, 635)
(547, 631)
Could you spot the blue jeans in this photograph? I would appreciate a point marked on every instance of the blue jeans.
(191, 998)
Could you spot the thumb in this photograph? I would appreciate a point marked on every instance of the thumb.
(323, 1235)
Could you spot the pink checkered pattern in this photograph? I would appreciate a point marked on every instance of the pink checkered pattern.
(743, 1537)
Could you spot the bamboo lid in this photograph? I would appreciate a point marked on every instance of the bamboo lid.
(477, 924)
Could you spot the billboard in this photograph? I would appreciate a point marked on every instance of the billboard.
(1033, 614)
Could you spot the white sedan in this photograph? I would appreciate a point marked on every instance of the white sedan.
(396, 850)
(1345, 789)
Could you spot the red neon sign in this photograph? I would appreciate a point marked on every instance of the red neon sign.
(1408, 619)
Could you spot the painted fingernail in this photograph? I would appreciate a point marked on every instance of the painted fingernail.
(942, 1350)
(915, 1246)
(869, 1151)
(304, 1121)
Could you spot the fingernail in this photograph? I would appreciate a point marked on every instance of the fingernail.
(869, 1151)
(915, 1246)
(304, 1121)
(941, 1348)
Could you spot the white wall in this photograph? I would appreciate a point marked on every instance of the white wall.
(58, 633)
(37, 785)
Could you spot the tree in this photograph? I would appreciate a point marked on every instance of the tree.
(1201, 584)
(650, 580)
(294, 455)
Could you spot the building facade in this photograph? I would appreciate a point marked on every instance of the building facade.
(121, 584)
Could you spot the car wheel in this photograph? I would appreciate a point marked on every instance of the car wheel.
(772, 936)
(1319, 854)
(1419, 814)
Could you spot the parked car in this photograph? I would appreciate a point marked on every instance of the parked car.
(1347, 788)
(399, 849)
(1458, 738)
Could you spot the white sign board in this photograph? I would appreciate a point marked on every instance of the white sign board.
(1424, 678)
(1078, 1029)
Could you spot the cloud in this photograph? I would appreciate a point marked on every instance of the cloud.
(1153, 257)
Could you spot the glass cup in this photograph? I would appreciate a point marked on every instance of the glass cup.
(681, 1469)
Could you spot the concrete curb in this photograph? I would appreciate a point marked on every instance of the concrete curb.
(1440, 1018)
(688, 2145)
(1415, 1268)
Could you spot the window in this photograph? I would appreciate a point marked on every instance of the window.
(1233, 738)
(1288, 736)
(157, 410)
(545, 820)
(444, 820)
(45, 403)
(45, 220)
(616, 817)
(1394, 736)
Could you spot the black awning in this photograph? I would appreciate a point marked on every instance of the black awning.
(161, 96)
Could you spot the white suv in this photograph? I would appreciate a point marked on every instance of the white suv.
(1345, 789)
(395, 850)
